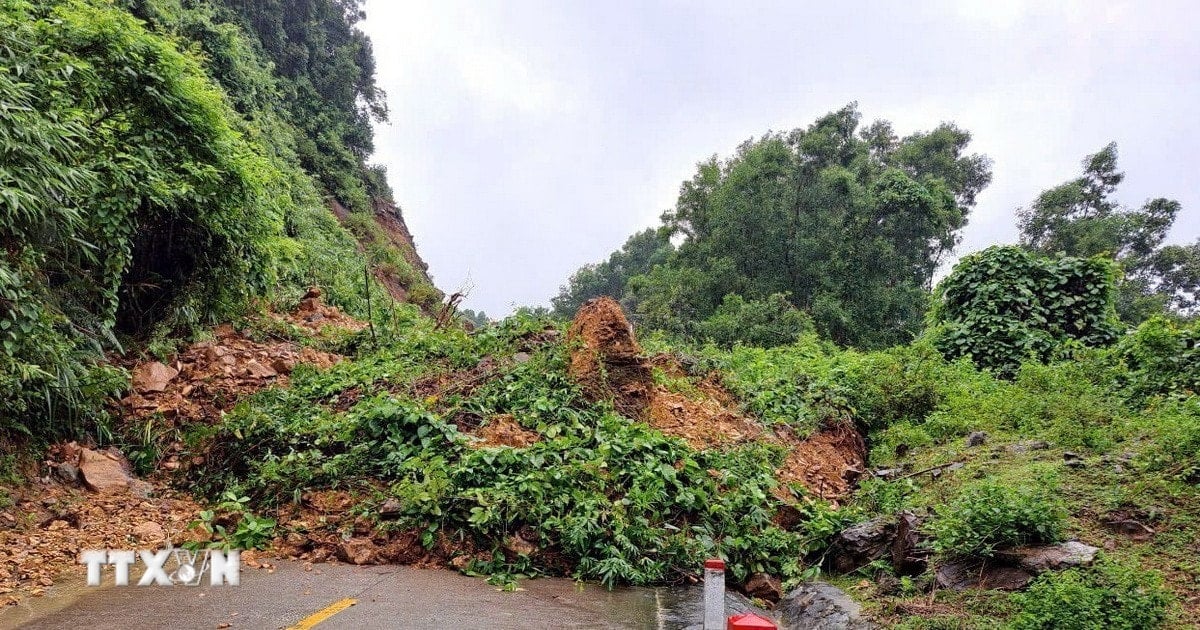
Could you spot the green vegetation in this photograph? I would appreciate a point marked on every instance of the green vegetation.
(1004, 305)
(151, 185)
(156, 180)
(989, 515)
(611, 494)
(1080, 218)
(1107, 596)
(849, 223)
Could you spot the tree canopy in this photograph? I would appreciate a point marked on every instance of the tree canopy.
(1081, 218)
(850, 222)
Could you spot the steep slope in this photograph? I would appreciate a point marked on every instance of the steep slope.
(154, 182)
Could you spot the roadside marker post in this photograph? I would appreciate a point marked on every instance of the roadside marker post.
(714, 594)
(750, 621)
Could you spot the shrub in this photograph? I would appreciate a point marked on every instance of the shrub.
(765, 323)
(1005, 305)
(1107, 596)
(1160, 357)
(989, 515)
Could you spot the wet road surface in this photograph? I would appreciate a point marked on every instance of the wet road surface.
(362, 598)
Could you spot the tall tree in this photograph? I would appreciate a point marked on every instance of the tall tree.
(1081, 218)
(850, 223)
(637, 256)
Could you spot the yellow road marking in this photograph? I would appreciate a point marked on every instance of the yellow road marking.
(325, 613)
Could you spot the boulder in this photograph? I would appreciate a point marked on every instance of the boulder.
(357, 551)
(861, 544)
(1013, 569)
(1134, 529)
(103, 472)
(764, 587)
(152, 377)
(975, 573)
(149, 531)
(254, 369)
(977, 438)
(1049, 557)
(391, 508)
(818, 605)
(908, 556)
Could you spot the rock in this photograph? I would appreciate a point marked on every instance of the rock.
(1135, 530)
(1049, 557)
(973, 573)
(886, 473)
(141, 489)
(102, 472)
(356, 551)
(391, 508)
(861, 544)
(149, 531)
(977, 438)
(519, 546)
(522, 357)
(254, 369)
(908, 557)
(764, 587)
(1013, 569)
(1073, 460)
(817, 605)
(69, 473)
(152, 377)
(312, 293)
(282, 366)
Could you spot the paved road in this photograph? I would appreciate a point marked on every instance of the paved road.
(384, 597)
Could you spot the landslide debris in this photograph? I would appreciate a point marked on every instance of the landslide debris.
(608, 363)
(208, 377)
(606, 359)
(88, 499)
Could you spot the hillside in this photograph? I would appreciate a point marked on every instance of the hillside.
(217, 331)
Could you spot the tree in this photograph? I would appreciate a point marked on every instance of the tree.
(637, 256)
(1080, 218)
(851, 224)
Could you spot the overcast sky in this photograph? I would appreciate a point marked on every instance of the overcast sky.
(529, 138)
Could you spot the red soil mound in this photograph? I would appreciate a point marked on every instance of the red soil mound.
(607, 362)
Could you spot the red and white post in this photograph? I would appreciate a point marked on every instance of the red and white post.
(714, 594)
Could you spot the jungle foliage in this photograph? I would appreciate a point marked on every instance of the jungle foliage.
(1004, 305)
(1080, 218)
(149, 183)
(849, 222)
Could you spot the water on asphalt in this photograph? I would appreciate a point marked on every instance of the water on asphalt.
(386, 597)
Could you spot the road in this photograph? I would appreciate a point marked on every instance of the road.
(347, 596)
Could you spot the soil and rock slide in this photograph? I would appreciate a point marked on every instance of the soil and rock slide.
(89, 498)
(609, 365)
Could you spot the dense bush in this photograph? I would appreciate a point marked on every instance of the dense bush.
(1160, 357)
(764, 323)
(1005, 305)
(623, 502)
(990, 515)
(1107, 596)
